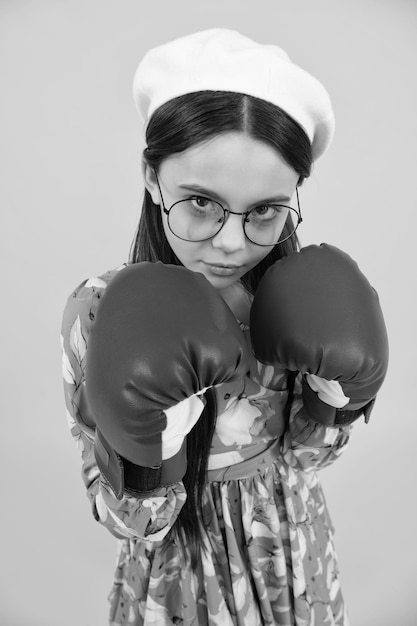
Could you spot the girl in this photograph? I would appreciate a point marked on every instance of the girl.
(203, 391)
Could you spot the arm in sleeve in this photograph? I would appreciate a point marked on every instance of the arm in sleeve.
(308, 445)
(149, 517)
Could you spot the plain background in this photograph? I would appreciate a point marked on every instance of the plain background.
(71, 191)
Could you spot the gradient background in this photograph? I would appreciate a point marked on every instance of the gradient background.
(70, 198)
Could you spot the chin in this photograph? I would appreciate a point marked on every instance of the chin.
(221, 282)
(217, 280)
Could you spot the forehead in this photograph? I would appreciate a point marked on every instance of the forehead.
(232, 161)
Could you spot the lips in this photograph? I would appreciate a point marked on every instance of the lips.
(223, 269)
(228, 266)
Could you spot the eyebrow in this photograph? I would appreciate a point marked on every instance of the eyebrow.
(207, 192)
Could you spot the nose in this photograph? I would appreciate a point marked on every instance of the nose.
(231, 237)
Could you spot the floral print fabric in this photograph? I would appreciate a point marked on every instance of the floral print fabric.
(268, 555)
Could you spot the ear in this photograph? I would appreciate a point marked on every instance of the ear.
(150, 183)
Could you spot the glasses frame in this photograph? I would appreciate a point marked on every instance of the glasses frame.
(228, 212)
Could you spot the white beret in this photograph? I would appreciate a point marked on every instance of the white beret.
(224, 60)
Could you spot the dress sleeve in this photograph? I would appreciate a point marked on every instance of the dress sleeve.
(308, 445)
(148, 518)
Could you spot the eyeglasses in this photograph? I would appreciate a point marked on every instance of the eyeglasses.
(198, 218)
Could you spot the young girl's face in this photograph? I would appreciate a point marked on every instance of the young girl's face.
(239, 172)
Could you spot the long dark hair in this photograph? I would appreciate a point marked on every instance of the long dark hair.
(174, 127)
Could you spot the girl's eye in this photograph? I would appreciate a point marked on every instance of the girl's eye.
(199, 202)
(201, 208)
(204, 206)
(267, 212)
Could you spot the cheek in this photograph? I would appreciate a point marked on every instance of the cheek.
(258, 255)
(185, 251)
(172, 240)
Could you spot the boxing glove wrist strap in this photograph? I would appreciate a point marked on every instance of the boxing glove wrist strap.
(139, 479)
(328, 415)
(123, 475)
(347, 416)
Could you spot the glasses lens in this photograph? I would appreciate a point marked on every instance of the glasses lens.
(196, 219)
(271, 224)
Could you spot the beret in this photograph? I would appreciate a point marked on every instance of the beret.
(220, 59)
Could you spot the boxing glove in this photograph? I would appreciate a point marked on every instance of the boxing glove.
(162, 336)
(316, 313)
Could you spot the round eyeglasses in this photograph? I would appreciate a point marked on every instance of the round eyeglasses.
(198, 218)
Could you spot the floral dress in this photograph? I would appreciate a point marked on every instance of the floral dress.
(268, 555)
